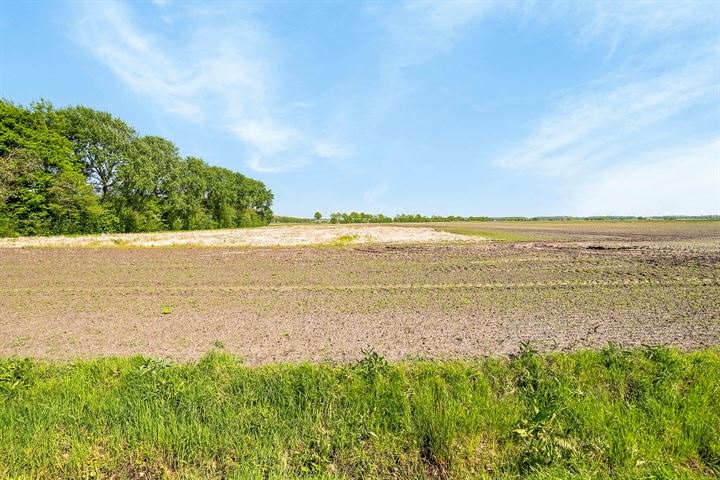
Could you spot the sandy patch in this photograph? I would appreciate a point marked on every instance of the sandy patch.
(251, 237)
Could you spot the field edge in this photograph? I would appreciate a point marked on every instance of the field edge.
(612, 413)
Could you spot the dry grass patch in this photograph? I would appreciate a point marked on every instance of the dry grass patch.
(272, 236)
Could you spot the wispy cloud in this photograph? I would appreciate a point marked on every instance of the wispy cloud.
(415, 33)
(221, 75)
(258, 164)
(598, 124)
(267, 138)
(641, 20)
(626, 131)
(419, 30)
(664, 182)
(330, 151)
(136, 58)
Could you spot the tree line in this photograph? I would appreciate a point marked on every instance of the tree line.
(362, 217)
(79, 170)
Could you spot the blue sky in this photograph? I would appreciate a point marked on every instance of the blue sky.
(466, 108)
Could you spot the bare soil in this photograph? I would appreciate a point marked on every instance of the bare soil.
(447, 300)
(684, 232)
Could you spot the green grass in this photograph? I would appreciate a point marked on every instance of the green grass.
(344, 240)
(648, 413)
(497, 235)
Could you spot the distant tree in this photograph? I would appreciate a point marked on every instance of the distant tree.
(318, 216)
(362, 217)
(100, 141)
(285, 219)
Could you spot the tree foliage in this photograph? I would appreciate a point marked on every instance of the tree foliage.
(78, 170)
(100, 141)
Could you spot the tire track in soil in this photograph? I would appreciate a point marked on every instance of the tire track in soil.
(684, 282)
(267, 305)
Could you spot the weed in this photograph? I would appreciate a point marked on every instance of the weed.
(371, 365)
(344, 240)
(15, 376)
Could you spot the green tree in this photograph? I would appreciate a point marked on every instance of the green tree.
(100, 141)
(147, 185)
(190, 209)
(38, 165)
(15, 166)
(318, 216)
(81, 170)
(74, 207)
(254, 201)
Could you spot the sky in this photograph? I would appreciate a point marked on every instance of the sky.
(440, 108)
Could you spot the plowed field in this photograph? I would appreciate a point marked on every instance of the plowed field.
(455, 300)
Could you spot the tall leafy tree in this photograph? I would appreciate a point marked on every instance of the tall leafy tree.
(80, 170)
(100, 141)
(15, 166)
(147, 181)
(38, 169)
(189, 209)
(74, 206)
(221, 196)
(255, 202)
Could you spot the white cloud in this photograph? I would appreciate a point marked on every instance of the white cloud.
(623, 137)
(416, 32)
(680, 181)
(261, 165)
(222, 76)
(419, 30)
(328, 150)
(301, 105)
(272, 142)
(267, 138)
(596, 125)
(642, 20)
(136, 58)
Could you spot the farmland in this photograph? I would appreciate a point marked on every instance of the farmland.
(370, 240)
(463, 350)
(455, 297)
